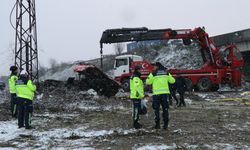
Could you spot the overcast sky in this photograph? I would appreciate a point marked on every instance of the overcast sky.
(70, 30)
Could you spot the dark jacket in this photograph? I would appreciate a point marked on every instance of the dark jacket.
(180, 84)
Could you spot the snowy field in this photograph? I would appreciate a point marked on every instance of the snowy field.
(209, 121)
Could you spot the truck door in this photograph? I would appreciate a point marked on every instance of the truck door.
(121, 66)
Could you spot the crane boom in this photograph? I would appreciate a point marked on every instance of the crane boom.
(144, 34)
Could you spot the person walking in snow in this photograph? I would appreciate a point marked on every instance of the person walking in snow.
(136, 94)
(181, 87)
(172, 94)
(159, 80)
(12, 89)
(25, 91)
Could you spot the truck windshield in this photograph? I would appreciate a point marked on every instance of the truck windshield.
(121, 62)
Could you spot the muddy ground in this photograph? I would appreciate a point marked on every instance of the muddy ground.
(68, 119)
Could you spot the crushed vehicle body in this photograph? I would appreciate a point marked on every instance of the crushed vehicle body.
(91, 77)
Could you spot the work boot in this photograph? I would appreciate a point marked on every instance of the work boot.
(14, 116)
(20, 127)
(29, 128)
(165, 127)
(176, 104)
(137, 125)
(170, 102)
(157, 125)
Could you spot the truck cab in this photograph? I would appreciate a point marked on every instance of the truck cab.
(123, 62)
(122, 69)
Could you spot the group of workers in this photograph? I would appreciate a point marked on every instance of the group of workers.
(22, 92)
(164, 86)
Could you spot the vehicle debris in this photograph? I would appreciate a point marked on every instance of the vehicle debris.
(90, 77)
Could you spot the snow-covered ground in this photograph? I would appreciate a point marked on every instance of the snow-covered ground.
(73, 138)
(43, 139)
(101, 123)
(157, 146)
(173, 146)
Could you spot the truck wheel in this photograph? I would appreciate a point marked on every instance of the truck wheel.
(125, 85)
(189, 84)
(215, 87)
(204, 84)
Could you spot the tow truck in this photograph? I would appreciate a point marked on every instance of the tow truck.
(220, 65)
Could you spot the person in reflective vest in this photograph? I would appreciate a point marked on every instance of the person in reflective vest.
(25, 91)
(12, 89)
(159, 80)
(136, 94)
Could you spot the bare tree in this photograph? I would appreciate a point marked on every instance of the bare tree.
(53, 63)
(119, 48)
(42, 69)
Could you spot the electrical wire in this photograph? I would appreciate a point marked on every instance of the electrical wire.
(11, 13)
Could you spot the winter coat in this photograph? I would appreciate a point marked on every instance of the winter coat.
(159, 80)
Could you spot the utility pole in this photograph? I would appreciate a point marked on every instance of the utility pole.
(26, 53)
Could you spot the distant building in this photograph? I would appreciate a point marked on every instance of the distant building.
(240, 38)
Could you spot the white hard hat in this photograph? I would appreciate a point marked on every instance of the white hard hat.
(23, 72)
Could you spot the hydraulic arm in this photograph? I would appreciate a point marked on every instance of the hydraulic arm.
(144, 34)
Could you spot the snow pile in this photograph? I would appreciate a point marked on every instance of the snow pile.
(69, 134)
(188, 101)
(61, 75)
(157, 146)
(188, 146)
(73, 138)
(204, 96)
(224, 146)
(92, 92)
(210, 97)
(121, 94)
(178, 56)
(240, 127)
(9, 130)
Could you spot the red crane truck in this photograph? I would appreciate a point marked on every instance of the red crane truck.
(220, 66)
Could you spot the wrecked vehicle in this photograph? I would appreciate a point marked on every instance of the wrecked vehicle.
(91, 77)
